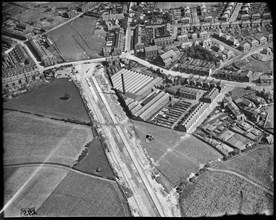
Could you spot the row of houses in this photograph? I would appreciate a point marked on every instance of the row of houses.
(240, 76)
(216, 25)
(114, 43)
(41, 52)
(243, 43)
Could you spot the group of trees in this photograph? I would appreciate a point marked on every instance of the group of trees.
(199, 52)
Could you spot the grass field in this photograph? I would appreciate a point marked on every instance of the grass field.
(95, 159)
(30, 139)
(259, 66)
(257, 165)
(83, 196)
(45, 100)
(56, 191)
(36, 14)
(35, 192)
(218, 194)
(174, 153)
(78, 39)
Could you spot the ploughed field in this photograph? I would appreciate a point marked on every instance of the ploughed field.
(46, 101)
(257, 165)
(175, 154)
(218, 194)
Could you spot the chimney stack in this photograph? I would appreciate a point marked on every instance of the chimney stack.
(123, 83)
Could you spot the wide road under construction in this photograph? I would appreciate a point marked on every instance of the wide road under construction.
(122, 152)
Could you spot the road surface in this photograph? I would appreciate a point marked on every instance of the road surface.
(235, 12)
(174, 73)
(146, 200)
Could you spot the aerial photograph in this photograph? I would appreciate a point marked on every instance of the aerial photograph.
(137, 109)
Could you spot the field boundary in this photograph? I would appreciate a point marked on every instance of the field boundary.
(66, 120)
(63, 166)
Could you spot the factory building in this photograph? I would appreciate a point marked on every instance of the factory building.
(192, 117)
(149, 105)
(135, 83)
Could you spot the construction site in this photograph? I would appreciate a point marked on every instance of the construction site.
(123, 148)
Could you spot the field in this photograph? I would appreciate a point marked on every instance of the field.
(80, 195)
(39, 15)
(257, 165)
(40, 182)
(259, 66)
(95, 159)
(45, 100)
(29, 139)
(218, 194)
(78, 39)
(175, 154)
(56, 191)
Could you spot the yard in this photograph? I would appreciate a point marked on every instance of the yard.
(219, 194)
(46, 100)
(174, 153)
(84, 196)
(32, 139)
(257, 165)
(78, 40)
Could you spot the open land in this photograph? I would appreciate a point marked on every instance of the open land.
(57, 191)
(217, 194)
(32, 139)
(259, 66)
(256, 165)
(95, 159)
(46, 101)
(175, 154)
(36, 14)
(81, 195)
(29, 186)
(78, 39)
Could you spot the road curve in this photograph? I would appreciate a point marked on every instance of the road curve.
(243, 177)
